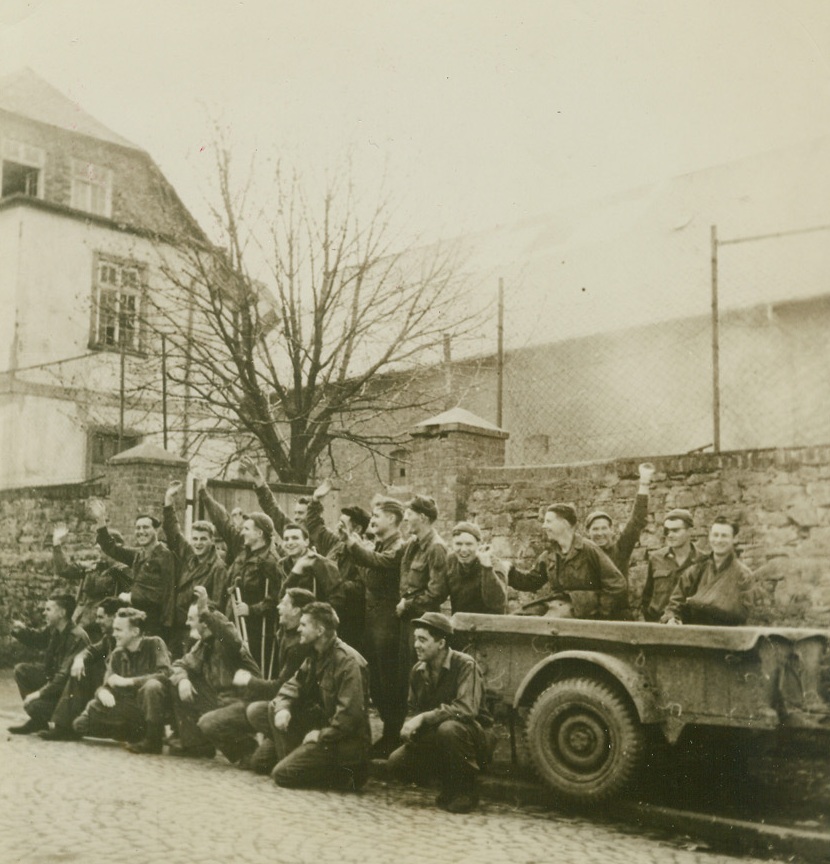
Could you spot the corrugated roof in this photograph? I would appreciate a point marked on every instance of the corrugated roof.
(27, 94)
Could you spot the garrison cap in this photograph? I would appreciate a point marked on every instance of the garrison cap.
(467, 528)
(598, 514)
(680, 513)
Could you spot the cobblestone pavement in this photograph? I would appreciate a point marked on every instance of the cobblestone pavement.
(94, 802)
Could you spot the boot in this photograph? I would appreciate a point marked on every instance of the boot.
(29, 727)
(152, 742)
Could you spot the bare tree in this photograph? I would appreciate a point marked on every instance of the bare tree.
(307, 326)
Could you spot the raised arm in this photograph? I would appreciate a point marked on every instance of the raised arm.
(170, 523)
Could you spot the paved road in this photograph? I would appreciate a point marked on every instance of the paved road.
(94, 802)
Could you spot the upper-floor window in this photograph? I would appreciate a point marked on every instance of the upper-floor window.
(91, 188)
(103, 444)
(116, 320)
(22, 169)
(398, 462)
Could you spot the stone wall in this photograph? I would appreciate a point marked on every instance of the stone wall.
(781, 498)
(27, 518)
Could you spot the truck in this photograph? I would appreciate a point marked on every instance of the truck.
(589, 696)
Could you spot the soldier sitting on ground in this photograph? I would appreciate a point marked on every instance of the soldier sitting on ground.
(447, 731)
(257, 693)
(131, 705)
(86, 674)
(321, 714)
(209, 712)
(199, 564)
(578, 578)
(41, 684)
(97, 579)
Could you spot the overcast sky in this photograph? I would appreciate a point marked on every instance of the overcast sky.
(481, 112)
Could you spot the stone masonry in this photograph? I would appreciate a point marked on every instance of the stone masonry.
(781, 498)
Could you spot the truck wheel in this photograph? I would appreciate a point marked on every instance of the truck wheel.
(586, 741)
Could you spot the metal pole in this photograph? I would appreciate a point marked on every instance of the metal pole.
(121, 385)
(448, 399)
(164, 387)
(715, 345)
(500, 358)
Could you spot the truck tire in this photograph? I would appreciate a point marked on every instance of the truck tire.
(585, 740)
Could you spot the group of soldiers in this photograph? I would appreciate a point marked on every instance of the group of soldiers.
(272, 652)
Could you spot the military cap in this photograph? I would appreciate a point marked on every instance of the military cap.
(425, 505)
(435, 621)
(680, 513)
(467, 528)
(358, 515)
(598, 514)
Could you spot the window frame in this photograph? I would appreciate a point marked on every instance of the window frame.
(26, 155)
(90, 177)
(135, 438)
(137, 291)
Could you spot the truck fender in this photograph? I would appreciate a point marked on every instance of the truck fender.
(633, 682)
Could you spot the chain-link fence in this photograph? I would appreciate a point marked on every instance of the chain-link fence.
(649, 390)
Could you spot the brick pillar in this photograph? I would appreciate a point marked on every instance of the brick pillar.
(446, 449)
(137, 480)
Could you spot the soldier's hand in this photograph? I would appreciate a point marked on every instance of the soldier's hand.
(281, 719)
(411, 726)
(201, 595)
(106, 698)
(312, 737)
(322, 490)
(17, 625)
(126, 596)
(118, 681)
(484, 556)
(401, 607)
(98, 510)
(172, 491)
(186, 690)
(646, 472)
(672, 621)
(78, 669)
(241, 678)
(59, 533)
(240, 609)
(250, 467)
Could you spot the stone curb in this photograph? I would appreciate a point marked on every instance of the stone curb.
(722, 834)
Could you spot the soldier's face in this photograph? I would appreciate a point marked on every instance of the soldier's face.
(677, 532)
(721, 539)
(600, 532)
(382, 524)
(124, 633)
(251, 535)
(465, 547)
(237, 518)
(103, 620)
(289, 613)
(300, 512)
(427, 647)
(145, 533)
(309, 630)
(294, 542)
(555, 526)
(53, 613)
(201, 542)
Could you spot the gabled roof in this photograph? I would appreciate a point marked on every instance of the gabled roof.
(25, 93)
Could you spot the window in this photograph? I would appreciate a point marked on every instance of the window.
(91, 188)
(398, 461)
(22, 170)
(117, 305)
(103, 445)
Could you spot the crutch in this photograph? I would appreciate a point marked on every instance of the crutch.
(239, 620)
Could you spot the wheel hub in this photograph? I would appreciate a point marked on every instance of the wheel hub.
(583, 742)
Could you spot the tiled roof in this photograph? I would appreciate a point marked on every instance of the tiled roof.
(27, 94)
